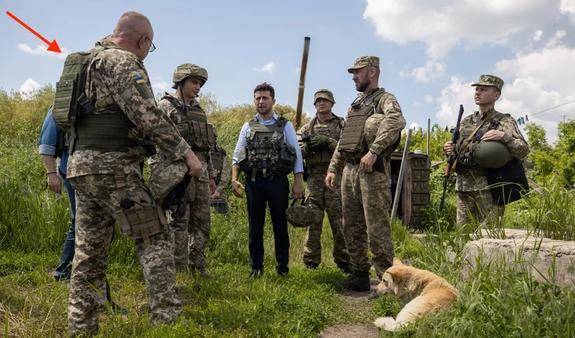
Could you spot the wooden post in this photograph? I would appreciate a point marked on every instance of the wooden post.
(401, 173)
(301, 88)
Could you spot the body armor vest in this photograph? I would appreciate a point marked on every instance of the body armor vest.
(218, 156)
(465, 147)
(194, 126)
(267, 151)
(102, 130)
(320, 159)
(352, 143)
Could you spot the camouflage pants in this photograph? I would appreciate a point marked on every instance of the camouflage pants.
(366, 200)
(477, 206)
(99, 201)
(191, 229)
(324, 199)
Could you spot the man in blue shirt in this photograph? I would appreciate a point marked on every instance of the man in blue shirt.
(52, 145)
(267, 151)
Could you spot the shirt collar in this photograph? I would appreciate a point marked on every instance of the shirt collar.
(274, 117)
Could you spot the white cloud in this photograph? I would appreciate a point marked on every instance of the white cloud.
(535, 81)
(568, 7)
(538, 35)
(267, 68)
(428, 99)
(443, 24)
(556, 39)
(161, 86)
(430, 71)
(41, 50)
(29, 87)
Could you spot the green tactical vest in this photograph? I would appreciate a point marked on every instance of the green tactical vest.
(218, 156)
(465, 160)
(321, 159)
(352, 143)
(194, 126)
(266, 149)
(103, 130)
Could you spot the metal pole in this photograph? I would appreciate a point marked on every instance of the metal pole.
(301, 88)
(401, 174)
(428, 142)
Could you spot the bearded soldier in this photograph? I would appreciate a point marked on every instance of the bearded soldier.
(474, 199)
(104, 169)
(372, 131)
(319, 138)
(191, 223)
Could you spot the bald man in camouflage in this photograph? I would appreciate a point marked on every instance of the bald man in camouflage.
(104, 168)
(372, 131)
(474, 200)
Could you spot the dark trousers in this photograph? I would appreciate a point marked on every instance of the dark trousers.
(274, 192)
(64, 268)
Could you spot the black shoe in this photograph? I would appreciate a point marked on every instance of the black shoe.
(256, 273)
(344, 267)
(358, 281)
(62, 276)
(311, 265)
(282, 270)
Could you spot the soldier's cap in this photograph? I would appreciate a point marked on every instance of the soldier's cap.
(186, 70)
(364, 61)
(323, 94)
(489, 81)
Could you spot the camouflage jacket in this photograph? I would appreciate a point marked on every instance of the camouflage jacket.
(330, 128)
(474, 180)
(380, 131)
(117, 77)
(178, 117)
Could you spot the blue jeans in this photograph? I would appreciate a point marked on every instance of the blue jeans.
(64, 268)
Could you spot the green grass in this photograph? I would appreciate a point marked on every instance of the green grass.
(494, 301)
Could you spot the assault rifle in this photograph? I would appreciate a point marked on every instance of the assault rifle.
(452, 158)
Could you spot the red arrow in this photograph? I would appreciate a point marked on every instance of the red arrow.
(52, 46)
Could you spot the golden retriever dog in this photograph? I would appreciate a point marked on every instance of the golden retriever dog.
(423, 291)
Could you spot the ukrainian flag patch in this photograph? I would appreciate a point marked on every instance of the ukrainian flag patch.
(139, 79)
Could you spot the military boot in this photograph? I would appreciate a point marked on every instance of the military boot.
(358, 281)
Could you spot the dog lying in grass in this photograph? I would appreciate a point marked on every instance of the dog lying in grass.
(423, 291)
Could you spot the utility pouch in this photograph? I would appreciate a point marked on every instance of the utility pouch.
(141, 224)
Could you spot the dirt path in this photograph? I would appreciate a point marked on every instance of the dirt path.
(360, 319)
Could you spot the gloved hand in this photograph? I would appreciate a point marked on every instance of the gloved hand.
(319, 142)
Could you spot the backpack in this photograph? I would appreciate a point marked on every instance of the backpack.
(70, 99)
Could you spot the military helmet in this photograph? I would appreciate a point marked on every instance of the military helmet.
(165, 176)
(491, 154)
(303, 215)
(186, 70)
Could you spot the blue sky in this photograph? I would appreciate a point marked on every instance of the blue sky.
(430, 50)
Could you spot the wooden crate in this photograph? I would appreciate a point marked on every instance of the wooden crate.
(415, 191)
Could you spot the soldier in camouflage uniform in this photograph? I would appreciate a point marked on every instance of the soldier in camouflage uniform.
(191, 226)
(373, 128)
(104, 169)
(319, 138)
(222, 172)
(474, 200)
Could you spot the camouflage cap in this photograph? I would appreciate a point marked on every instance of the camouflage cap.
(323, 94)
(490, 81)
(364, 61)
(186, 70)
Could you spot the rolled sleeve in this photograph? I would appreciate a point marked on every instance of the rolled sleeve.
(48, 136)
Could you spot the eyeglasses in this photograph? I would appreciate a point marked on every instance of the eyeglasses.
(152, 46)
